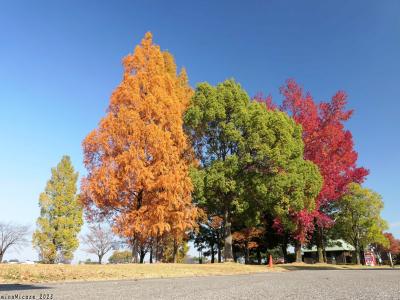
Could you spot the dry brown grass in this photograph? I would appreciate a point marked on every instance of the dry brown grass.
(52, 273)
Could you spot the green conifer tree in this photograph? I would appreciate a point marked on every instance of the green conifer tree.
(60, 221)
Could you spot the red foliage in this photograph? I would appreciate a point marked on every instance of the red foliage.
(247, 237)
(259, 97)
(394, 244)
(304, 225)
(278, 226)
(322, 220)
(327, 142)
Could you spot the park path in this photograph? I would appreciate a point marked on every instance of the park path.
(304, 284)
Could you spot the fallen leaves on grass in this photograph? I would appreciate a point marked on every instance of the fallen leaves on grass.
(52, 273)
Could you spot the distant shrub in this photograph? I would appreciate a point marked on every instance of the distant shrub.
(90, 262)
(120, 257)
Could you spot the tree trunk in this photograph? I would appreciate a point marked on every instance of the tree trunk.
(358, 260)
(1, 257)
(362, 254)
(136, 247)
(228, 254)
(151, 252)
(219, 252)
(390, 259)
(212, 253)
(100, 259)
(175, 251)
(246, 257)
(357, 246)
(297, 250)
(134, 252)
(156, 249)
(284, 252)
(320, 258)
(258, 256)
(320, 246)
(160, 254)
(142, 254)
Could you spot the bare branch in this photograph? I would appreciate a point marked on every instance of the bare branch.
(12, 235)
(99, 241)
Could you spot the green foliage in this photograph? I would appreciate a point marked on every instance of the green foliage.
(277, 178)
(209, 235)
(213, 122)
(60, 215)
(251, 157)
(120, 257)
(90, 262)
(358, 219)
(168, 251)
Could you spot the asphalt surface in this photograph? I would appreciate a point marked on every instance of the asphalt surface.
(304, 284)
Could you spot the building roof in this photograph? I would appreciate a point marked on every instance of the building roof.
(333, 245)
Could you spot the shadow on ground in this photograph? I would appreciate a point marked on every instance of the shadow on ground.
(21, 287)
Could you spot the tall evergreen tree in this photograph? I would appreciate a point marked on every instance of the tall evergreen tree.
(251, 158)
(60, 221)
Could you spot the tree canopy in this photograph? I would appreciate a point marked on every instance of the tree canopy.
(358, 218)
(138, 158)
(251, 158)
(60, 218)
(329, 145)
(237, 175)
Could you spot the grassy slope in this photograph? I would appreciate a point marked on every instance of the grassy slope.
(53, 273)
(303, 266)
(50, 273)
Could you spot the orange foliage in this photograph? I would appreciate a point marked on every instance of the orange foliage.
(138, 157)
(247, 237)
(216, 222)
(394, 244)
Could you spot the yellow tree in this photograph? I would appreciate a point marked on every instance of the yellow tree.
(138, 158)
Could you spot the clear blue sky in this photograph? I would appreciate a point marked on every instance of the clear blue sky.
(60, 61)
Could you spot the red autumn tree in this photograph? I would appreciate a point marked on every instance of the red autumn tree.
(394, 244)
(328, 144)
(137, 159)
(259, 97)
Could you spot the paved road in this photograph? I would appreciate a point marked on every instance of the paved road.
(305, 284)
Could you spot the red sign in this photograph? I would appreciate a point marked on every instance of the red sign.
(369, 259)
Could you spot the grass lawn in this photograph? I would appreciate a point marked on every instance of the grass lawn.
(51, 273)
(54, 273)
(318, 266)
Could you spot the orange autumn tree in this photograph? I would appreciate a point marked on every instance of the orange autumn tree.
(247, 239)
(138, 158)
